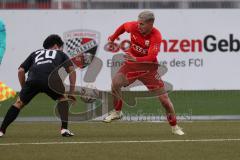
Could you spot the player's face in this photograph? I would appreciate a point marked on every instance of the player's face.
(145, 27)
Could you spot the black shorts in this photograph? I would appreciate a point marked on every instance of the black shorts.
(32, 88)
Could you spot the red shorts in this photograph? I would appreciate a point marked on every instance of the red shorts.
(147, 73)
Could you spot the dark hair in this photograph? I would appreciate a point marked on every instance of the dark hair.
(51, 40)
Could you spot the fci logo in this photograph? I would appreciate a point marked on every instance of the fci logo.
(147, 42)
(81, 46)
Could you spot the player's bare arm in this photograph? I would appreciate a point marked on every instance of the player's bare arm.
(21, 76)
(117, 33)
(72, 80)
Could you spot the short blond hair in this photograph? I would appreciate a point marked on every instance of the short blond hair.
(146, 16)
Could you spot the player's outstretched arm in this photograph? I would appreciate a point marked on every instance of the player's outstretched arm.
(117, 33)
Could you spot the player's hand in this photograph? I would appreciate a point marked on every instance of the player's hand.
(129, 58)
(110, 40)
(72, 98)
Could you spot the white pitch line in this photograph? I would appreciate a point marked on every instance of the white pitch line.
(118, 142)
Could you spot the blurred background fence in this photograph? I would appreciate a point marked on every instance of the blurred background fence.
(117, 4)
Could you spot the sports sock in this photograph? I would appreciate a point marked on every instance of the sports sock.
(172, 120)
(63, 108)
(9, 117)
(117, 105)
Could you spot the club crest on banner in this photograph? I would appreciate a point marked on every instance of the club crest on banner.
(81, 46)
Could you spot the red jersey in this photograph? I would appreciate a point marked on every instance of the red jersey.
(143, 48)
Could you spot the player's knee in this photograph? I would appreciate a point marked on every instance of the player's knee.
(19, 104)
(119, 81)
(116, 84)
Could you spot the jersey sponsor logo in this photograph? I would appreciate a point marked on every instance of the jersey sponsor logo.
(81, 46)
(139, 49)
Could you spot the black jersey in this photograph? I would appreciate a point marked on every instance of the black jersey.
(41, 63)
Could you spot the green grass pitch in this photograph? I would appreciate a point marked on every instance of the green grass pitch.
(216, 140)
(122, 141)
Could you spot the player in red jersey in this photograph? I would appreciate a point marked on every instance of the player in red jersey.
(141, 64)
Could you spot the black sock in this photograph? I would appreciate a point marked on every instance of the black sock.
(63, 112)
(9, 118)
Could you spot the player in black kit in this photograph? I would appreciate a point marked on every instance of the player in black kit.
(40, 66)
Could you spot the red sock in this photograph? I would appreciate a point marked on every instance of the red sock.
(172, 120)
(118, 105)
